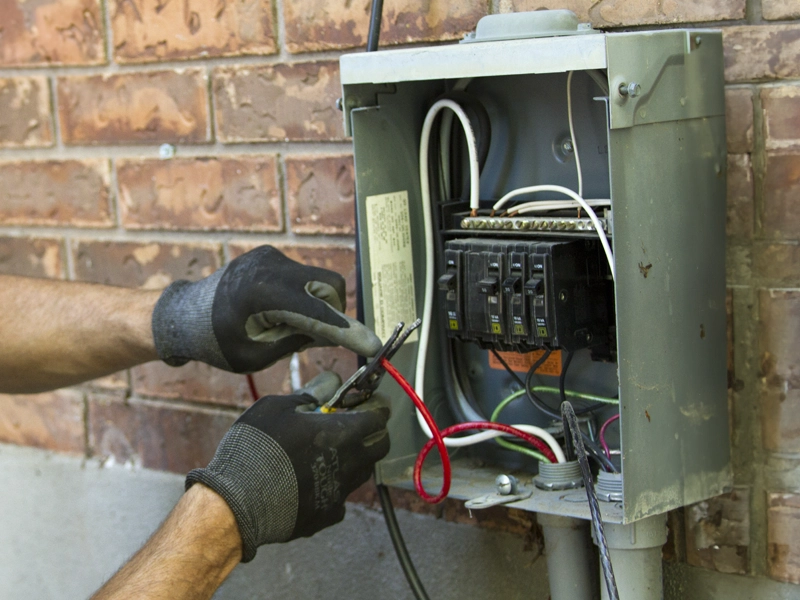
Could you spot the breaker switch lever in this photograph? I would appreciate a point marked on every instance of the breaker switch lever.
(447, 282)
(511, 285)
(533, 287)
(488, 286)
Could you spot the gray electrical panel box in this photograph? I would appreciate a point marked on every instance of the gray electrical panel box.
(648, 113)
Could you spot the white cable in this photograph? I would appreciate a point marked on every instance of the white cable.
(572, 134)
(548, 205)
(427, 310)
(477, 438)
(584, 205)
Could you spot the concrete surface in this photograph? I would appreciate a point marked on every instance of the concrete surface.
(66, 525)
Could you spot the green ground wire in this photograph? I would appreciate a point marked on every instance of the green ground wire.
(569, 393)
(545, 390)
(508, 445)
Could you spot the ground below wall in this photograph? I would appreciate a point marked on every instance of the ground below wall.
(67, 524)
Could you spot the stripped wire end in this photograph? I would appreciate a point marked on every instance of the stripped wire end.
(491, 214)
(473, 212)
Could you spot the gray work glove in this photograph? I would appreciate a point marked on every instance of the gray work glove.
(285, 471)
(258, 309)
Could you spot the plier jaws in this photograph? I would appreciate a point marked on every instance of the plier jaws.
(360, 386)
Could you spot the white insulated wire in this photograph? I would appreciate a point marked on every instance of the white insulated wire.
(572, 134)
(583, 204)
(427, 310)
(548, 205)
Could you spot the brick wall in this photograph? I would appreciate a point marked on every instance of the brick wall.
(89, 90)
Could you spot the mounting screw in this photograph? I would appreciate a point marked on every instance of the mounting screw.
(562, 295)
(506, 485)
(698, 40)
(566, 146)
(631, 89)
(166, 151)
(340, 104)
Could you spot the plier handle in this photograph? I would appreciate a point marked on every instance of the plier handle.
(360, 386)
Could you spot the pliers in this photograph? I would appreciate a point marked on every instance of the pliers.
(366, 380)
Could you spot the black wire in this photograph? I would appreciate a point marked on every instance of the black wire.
(508, 369)
(597, 454)
(374, 25)
(573, 429)
(569, 449)
(399, 544)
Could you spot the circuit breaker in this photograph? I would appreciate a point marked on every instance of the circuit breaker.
(485, 243)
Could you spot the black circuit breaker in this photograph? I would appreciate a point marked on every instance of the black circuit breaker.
(521, 295)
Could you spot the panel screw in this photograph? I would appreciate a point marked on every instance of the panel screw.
(566, 146)
(698, 40)
(506, 485)
(631, 89)
(562, 296)
(166, 151)
(340, 104)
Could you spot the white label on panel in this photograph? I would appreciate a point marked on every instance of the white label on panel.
(391, 262)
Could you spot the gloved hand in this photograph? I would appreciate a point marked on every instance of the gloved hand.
(256, 310)
(285, 470)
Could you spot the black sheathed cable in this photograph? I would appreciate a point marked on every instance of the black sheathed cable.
(571, 424)
(569, 447)
(375, 18)
(399, 544)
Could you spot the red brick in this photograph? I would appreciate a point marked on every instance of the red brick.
(58, 32)
(53, 193)
(155, 435)
(34, 257)
(739, 119)
(198, 382)
(231, 193)
(783, 531)
(53, 420)
(278, 102)
(779, 347)
(320, 194)
(151, 266)
(147, 30)
(608, 13)
(755, 53)
(740, 197)
(155, 106)
(312, 25)
(718, 532)
(777, 264)
(781, 109)
(780, 215)
(25, 112)
(780, 9)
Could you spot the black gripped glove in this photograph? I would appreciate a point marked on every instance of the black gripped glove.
(258, 309)
(285, 471)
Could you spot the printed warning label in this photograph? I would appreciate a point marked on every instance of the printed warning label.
(523, 362)
(391, 262)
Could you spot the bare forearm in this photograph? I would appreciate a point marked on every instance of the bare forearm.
(188, 557)
(59, 333)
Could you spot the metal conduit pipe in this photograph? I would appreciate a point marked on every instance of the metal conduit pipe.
(636, 556)
(570, 560)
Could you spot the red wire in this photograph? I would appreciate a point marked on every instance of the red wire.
(438, 438)
(603, 434)
(252, 385)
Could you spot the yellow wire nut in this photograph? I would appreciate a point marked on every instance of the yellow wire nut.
(326, 410)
